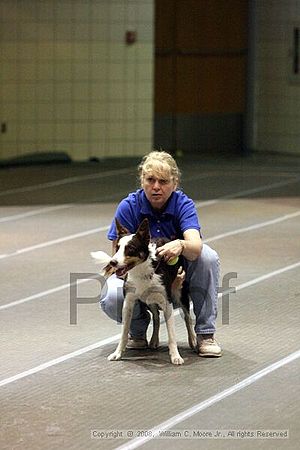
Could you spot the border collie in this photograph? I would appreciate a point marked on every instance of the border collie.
(148, 278)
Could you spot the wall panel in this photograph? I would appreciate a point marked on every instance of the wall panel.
(66, 71)
(276, 103)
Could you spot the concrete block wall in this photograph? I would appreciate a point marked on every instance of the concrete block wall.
(68, 80)
(276, 90)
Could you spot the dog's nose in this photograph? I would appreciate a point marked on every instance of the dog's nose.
(113, 262)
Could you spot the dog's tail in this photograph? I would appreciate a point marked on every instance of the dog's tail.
(102, 259)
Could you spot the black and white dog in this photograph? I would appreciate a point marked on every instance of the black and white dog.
(149, 279)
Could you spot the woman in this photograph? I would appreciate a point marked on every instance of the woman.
(171, 214)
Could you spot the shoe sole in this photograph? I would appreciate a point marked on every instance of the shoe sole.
(210, 355)
(137, 348)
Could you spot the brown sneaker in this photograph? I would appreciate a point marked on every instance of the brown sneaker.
(208, 346)
(135, 343)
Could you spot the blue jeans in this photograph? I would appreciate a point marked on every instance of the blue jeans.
(202, 278)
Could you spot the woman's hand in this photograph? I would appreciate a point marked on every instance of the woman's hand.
(178, 281)
(170, 250)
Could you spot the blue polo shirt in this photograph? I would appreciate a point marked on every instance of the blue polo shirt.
(178, 216)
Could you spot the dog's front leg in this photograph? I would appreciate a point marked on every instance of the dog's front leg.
(127, 312)
(170, 321)
(154, 343)
(192, 338)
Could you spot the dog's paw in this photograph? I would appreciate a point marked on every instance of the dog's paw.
(154, 343)
(193, 342)
(177, 360)
(115, 356)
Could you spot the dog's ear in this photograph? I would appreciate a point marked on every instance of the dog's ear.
(122, 231)
(143, 230)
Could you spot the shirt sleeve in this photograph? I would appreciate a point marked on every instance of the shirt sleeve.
(188, 217)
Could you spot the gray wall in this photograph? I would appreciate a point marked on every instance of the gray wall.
(274, 108)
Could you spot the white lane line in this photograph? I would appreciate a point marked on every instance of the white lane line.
(104, 228)
(109, 173)
(35, 296)
(112, 339)
(265, 187)
(54, 362)
(190, 412)
(53, 242)
(265, 277)
(63, 181)
(35, 212)
(254, 226)
(43, 294)
(213, 238)
(198, 204)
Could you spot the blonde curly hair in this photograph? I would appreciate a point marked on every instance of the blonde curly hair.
(160, 164)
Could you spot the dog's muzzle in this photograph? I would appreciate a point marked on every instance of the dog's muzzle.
(119, 269)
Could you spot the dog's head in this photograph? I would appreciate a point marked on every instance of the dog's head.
(132, 249)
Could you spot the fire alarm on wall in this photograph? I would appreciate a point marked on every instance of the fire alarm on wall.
(130, 37)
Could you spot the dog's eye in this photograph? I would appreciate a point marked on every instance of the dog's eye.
(131, 251)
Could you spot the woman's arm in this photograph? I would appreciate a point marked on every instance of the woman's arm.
(190, 247)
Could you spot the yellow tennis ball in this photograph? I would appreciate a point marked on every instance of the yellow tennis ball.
(173, 261)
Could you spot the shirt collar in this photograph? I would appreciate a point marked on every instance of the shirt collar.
(147, 209)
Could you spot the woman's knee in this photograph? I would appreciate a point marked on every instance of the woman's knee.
(209, 257)
(111, 302)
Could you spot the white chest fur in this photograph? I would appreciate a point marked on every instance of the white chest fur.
(146, 285)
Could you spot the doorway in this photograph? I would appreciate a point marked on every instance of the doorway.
(200, 75)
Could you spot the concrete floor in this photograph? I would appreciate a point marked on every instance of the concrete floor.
(56, 385)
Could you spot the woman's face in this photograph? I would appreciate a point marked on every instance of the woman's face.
(158, 188)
